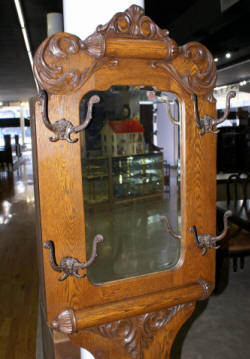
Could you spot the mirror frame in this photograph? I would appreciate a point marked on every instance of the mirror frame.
(129, 50)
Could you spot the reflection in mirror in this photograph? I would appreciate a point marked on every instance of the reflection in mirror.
(131, 181)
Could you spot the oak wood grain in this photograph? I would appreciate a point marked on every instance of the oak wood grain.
(98, 63)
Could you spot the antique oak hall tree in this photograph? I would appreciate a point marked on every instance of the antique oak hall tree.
(127, 248)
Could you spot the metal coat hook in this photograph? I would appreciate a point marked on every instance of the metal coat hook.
(171, 117)
(69, 265)
(64, 128)
(169, 227)
(208, 241)
(207, 123)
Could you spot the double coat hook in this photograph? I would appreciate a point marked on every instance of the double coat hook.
(207, 123)
(70, 266)
(64, 128)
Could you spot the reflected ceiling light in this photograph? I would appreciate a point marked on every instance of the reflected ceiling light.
(228, 55)
(216, 59)
(243, 83)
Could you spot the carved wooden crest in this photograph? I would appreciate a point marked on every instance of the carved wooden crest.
(191, 65)
(136, 333)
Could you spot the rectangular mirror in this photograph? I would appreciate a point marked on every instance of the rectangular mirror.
(131, 181)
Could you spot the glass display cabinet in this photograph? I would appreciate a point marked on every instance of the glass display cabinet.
(123, 262)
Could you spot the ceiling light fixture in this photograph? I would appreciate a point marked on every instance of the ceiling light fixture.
(25, 34)
(228, 55)
(216, 59)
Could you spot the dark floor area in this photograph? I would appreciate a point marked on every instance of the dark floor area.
(220, 326)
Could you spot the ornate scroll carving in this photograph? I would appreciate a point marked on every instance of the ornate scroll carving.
(136, 333)
(132, 23)
(49, 70)
(201, 81)
(65, 322)
(56, 72)
(205, 77)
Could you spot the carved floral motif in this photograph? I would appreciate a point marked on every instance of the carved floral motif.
(137, 332)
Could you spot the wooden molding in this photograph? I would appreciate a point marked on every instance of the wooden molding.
(135, 334)
(128, 34)
(150, 335)
(70, 321)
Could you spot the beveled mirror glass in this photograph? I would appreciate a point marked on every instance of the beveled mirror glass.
(131, 181)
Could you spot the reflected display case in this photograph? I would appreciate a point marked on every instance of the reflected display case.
(138, 175)
(96, 180)
(123, 177)
(122, 278)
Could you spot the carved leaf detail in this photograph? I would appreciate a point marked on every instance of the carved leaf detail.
(201, 80)
(205, 77)
(137, 332)
(50, 73)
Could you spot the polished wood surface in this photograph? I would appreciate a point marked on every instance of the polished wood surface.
(147, 337)
(89, 65)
